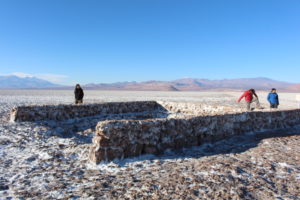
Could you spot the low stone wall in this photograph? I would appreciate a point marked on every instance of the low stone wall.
(143, 127)
(125, 138)
(65, 112)
(197, 109)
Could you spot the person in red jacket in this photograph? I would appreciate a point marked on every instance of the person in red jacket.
(248, 95)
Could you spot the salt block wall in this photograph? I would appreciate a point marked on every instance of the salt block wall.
(125, 138)
(196, 123)
(65, 112)
(197, 109)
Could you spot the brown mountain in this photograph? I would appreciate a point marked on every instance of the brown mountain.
(294, 88)
(138, 86)
(192, 84)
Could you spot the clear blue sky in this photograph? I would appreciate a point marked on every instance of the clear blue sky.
(136, 40)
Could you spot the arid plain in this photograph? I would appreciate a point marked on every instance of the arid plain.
(42, 162)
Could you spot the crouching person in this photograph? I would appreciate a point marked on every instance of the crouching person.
(78, 94)
(248, 95)
(273, 99)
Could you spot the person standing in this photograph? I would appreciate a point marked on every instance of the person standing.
(248, 95)
(273, 99)
(78, 94)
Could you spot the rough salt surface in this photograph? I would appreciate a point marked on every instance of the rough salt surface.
(49, 161)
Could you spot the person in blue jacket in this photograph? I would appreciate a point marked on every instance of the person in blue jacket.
(273, 99)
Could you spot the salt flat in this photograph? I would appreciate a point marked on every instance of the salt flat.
(40, 161)
(25, 97)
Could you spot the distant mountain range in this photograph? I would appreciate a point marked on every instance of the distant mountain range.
(191, 84)
(294, 88)
(186, 84)
(15, 82)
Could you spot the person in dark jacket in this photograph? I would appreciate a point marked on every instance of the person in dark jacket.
(78, 94)
(248, 95)
(273, 99)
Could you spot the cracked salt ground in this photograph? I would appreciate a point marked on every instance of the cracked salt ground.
(38, 166)
(38, 161)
